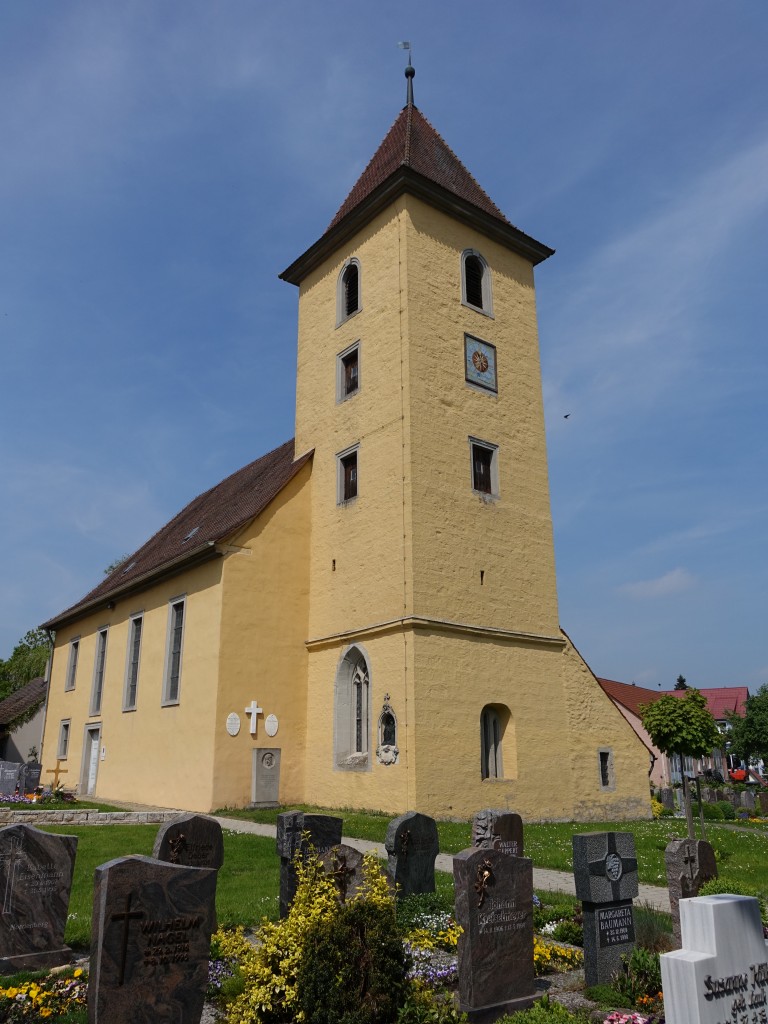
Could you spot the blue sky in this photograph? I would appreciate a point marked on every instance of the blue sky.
(163, 162)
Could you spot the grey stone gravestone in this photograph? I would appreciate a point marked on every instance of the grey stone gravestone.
(32, 778)
(748, 800)
(35, 882)
(502, 830)
(151, 934)
(9, 777)
(720, 976)
(689, 863)
(323, 832)
(605, 873)
(763, 798)
(345, 866)
(494, 906)
(412, 845)
(714, 795)
(265, 788)
(667, 797)
(194, 840)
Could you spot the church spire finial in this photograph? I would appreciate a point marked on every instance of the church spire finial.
(410, 72)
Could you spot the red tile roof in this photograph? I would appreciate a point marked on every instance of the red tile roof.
(22, 700)
(719, 698)
(413, 142)
(192, 534)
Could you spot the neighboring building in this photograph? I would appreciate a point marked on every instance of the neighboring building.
(22, 715)
(374, 601)
(664, 771)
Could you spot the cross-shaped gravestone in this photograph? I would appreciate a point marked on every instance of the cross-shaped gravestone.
(721, 973)
(56, 772)
(612, 866)
(253, 710)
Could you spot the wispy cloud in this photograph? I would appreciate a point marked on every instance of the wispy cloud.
(673, 582)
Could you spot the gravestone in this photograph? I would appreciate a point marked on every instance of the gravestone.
(748, 800)
(690, 863)
(605, 873)
(35, 882)
(10, 777)
(32, 777)
(193, 840)
(720, 976)
(714, 795)
(345, 866)
(265, 787)
(412, 845)
(667, 797)
(494, 906)
(763, 798)
(500, 830)
(323, 832)
(151, 934)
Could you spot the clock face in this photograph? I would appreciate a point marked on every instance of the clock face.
(480, 363)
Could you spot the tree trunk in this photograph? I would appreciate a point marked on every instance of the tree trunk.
(687, 801)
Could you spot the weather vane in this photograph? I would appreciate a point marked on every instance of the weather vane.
(409, 71)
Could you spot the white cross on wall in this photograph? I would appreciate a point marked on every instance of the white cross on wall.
(254, 711)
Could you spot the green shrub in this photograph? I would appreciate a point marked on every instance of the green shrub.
(570, 932)
(640, 976)
(425, 1006)
(544, 1011)
(712, 812)
(667, 812)
(353, 970)
(603, 995)
(727, 808)
(554, 907)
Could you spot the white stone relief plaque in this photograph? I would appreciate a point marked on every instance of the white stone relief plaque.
(233, 724)
(271, 725)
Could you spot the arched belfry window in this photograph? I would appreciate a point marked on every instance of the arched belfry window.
(493, 720)
(476, 282)
(352, 719)
(348, 298)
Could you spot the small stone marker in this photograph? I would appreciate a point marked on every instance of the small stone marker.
(35, 882)
(494, 906)
(501, 830)
(690, 863)
(152, 925)
(324, 832)
(345, 866)
(748, 800)
(605, 873)
(412, 845)
(720, 976)
(193, 840)
(667, 797)
(265, 786)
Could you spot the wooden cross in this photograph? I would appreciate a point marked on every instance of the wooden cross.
(127, 916)
(254, 711)
(56, 772)
(12, 859)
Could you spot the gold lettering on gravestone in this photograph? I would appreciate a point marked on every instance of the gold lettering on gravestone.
(615, 926)
(750, 1005)
(168, 940)
(501, 916)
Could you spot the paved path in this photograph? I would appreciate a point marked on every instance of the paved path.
(543, 878)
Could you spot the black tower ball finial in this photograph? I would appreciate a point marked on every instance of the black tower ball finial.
(410, 71)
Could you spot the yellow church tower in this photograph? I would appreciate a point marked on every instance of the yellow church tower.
(438, 676)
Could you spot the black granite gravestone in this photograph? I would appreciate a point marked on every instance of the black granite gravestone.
(151, 934)
(32, 776)
(194, 840)
(689, 863)
(494, 906)
(35, 882)
(501, 830)
(412, 846)
(605, 872)
(296, 833)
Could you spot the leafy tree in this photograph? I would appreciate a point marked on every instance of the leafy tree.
(26, 662)
(682, 726)
(748, 735)
(680, 683)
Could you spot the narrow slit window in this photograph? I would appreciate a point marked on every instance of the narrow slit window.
(347, 476)
(173, 657)
(348, 373)
(132, 668)
(74, 654)
(98, 672)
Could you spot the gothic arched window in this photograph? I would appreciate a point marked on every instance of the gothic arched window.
(348, 297)
(352, 717)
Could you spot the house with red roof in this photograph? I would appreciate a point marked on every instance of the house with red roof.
(367, 615)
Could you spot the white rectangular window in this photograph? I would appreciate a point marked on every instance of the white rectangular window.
(172, 682)
(99, 662)
(63, 748)
(132, 663)
(346, 475)
(74, 654)
(484, 467)
(348, 372)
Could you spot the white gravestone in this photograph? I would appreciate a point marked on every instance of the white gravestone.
(720, 976)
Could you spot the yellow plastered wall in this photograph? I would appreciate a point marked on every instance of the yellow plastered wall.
(263, 655)
(155, 754)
